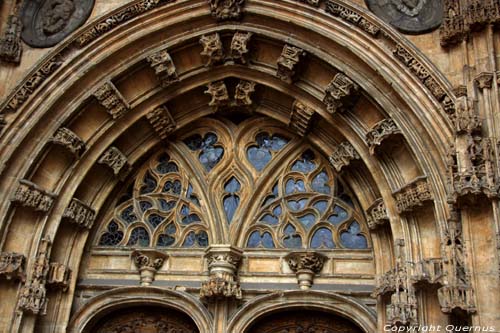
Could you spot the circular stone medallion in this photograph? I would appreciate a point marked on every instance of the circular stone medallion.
(409, 16)
(47, 22)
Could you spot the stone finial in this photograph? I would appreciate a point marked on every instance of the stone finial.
(239, 46)
(342, 93)
(377, 214)
(413, 195)
(112, 100)
(164, 67)
(11, 47)
(223, 261)
(213, 50)
(219, 94)
(305, 264)
(33, 196)
(12, 266)
(80, 214)
(226, 9)
(288, 61)
(114, 159)
(243, 93)
(69, 140)
(381, 131)
(162, 121)
(342, 155)
(148, 262)
(301, 118)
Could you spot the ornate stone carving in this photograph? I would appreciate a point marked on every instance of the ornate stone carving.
(32, 296)
(11, 48)
(219, 94)
(226, 9)
(162, 121)
(342, 93)
(32, 83)
(377, 214)
(381, 131)
(12, 266)
(351, 16)
(80, 214)
(243, 93)
(33, 196)
(314, 3)
(213, 50)
(413, 195)
(342, 155)
(112, 100)
(68, 139)
(288, 61)
(109, 22)
(301, 118)
(59, 276)
(164, 67)
(48, 22)
(115, 159)
(409, 16)
(484, 80)
(452, 30)
(465, 118)
(305, 264)
(239, 46)
(148, 262)
(223, 262)
(428, 271)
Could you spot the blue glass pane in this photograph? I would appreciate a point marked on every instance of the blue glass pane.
(192, 239)
(293, 186)
(291, 239)
(352, 239)
(210, 154)
(322, 238)
(165, 240)
(339, 215)
(231, 203)
(148, 184)
(267, 241)
(260, 155)
(254, 239)
(320, 183)
(191, 196)
(187, 217)
(166, 206)
(202, 239)
(128, 214)
(113, 236)
(306, 163)
(296, 206)
(270, 198)
(154, 220)
(274, 217)
(145, 205)
(139, 237)
(174, 187)
(232, 186)
(257, 240)
(321, 206)
(307, 220)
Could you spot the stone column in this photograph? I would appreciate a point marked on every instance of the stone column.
(305, 264)
(148, 262)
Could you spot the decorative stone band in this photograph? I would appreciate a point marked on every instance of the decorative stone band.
(162, 121)
(381, 131)
(342, 155)
(301, 118)
(314, 3)
(59, 276)
(352, 17)
(377, 214)
(288, 61)
(33, 196)
(226, 10)
(484, 80)
(66, 138)
(413, 195)
(342, 93)
(164, 67)
(80, 214)
(213, 51)
(148, 262)
(116, 160)
(305, 264)
(112, 100)
(12, 266)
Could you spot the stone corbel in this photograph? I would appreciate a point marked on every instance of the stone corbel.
(148, 262)
(219, 94)
(112, 100)
(341, 94)
(301, 118)
(288, 62)
(239, 46)
(380, 132)
(306, 265)
(12, 266)
(164, 67)
(213, 50)
(59, 276)
(226, 10)
(33, 196)
(342, 155)
(243, 93)
(413, 195)
(377, 214)
(69, 140)
(116, 160)
(223, 262)
(162, 121)
(80, 214)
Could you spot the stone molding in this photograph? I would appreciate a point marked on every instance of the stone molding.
(164, 67)
(377, 214)
(305, 265)
(80, 214)
(342, 155)
(68, 139)
(288, 62)
(381, 131)
(148, 262)
(413, 195)
(226, 10)
(341, 94)
(28, 194)
(116, 160)
(12, 266)
(301, 118)
(223, 262)
(162, 121)
(112, 100)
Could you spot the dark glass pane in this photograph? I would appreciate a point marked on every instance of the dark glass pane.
(164, 168)
(231, 203)
(306, 163)
(347, 199)
(187, 216)
(148, 184)
(174, 187)
(202, 239)
(194, 142)
(320, 183)
(322, 238)
(339, 215)
(165, 240)
(139, 237)
(196, 239)
(293, 186)
(321, 206)
(307, 220)
(113, 236)
(145, 205)
(257, 240)
(154, 220)
(210, 154)
(352, 239)
(166, 206)
(128, 214)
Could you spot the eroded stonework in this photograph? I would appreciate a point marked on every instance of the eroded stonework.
(226, 9)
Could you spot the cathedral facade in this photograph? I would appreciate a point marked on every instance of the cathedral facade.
(249, 166)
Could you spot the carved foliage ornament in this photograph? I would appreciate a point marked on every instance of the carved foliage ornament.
(148, 262)
(226, 9)
(377, 214)
(341, 94)
(301, 118)
(288, 61)
(47, 22)
(31, 195)
(162, 121)
(80, 214)
(219, 93)
(409, 16)
(381, 131)
(352, 17)
(68, 139)
(413, 195)
(213, 50)
(114, 159)
(305, 264)
(342, 155)
(112, 100)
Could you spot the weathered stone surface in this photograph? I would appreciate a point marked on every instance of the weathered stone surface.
(11, 48)
(301, 118)
(164, 67)
(12, 266)
(381, 131)
(213, 50)
(114, 159)
(112, 100)
(148, 262)
(288, 62)
(226, 9)
(377, 214)
(341, 94)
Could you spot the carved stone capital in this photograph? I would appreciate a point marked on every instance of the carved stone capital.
(213, 50)
(80, 214)
(114, 159)
(301, 118)
(413, 195)
(484, 80)
(288, 61)
(305, 264)
(12, 266)
(342, 155)
(33, 196)
(226, 9)
(239, 46)
(164, 67)
(148, 262)
(112, 100)
(68, 139)
(381, 131)
(219, 94)
(162, 121)
(342, 93)
(243, 93)
(377, 214)
(59, 276)
(11, 47)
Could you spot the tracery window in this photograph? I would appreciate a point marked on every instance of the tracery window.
(250, 185)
